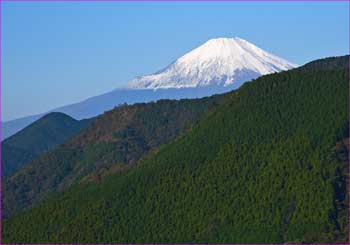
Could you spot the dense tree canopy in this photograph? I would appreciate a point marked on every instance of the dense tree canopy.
(113, 142)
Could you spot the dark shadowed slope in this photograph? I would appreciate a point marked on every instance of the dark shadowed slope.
(42, 135)
(267, 166)
(330, 63)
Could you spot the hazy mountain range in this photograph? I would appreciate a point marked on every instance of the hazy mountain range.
(217, 66)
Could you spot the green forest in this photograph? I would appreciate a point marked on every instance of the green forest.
(266, 163)
(111, 143)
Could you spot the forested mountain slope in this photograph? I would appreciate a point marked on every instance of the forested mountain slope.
(40, 136)
(111, 143)
(267, 166)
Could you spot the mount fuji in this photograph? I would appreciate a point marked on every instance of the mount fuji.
(221, 61)
(217, 66)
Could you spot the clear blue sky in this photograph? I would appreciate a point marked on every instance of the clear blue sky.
(58, 53)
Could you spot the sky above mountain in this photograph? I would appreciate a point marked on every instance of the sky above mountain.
(57, 53)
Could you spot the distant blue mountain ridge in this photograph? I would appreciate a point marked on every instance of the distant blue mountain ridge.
(99, 104)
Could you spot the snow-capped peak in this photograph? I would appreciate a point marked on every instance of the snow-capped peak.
(220, 61)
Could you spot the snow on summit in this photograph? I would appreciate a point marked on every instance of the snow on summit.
(220, 61)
